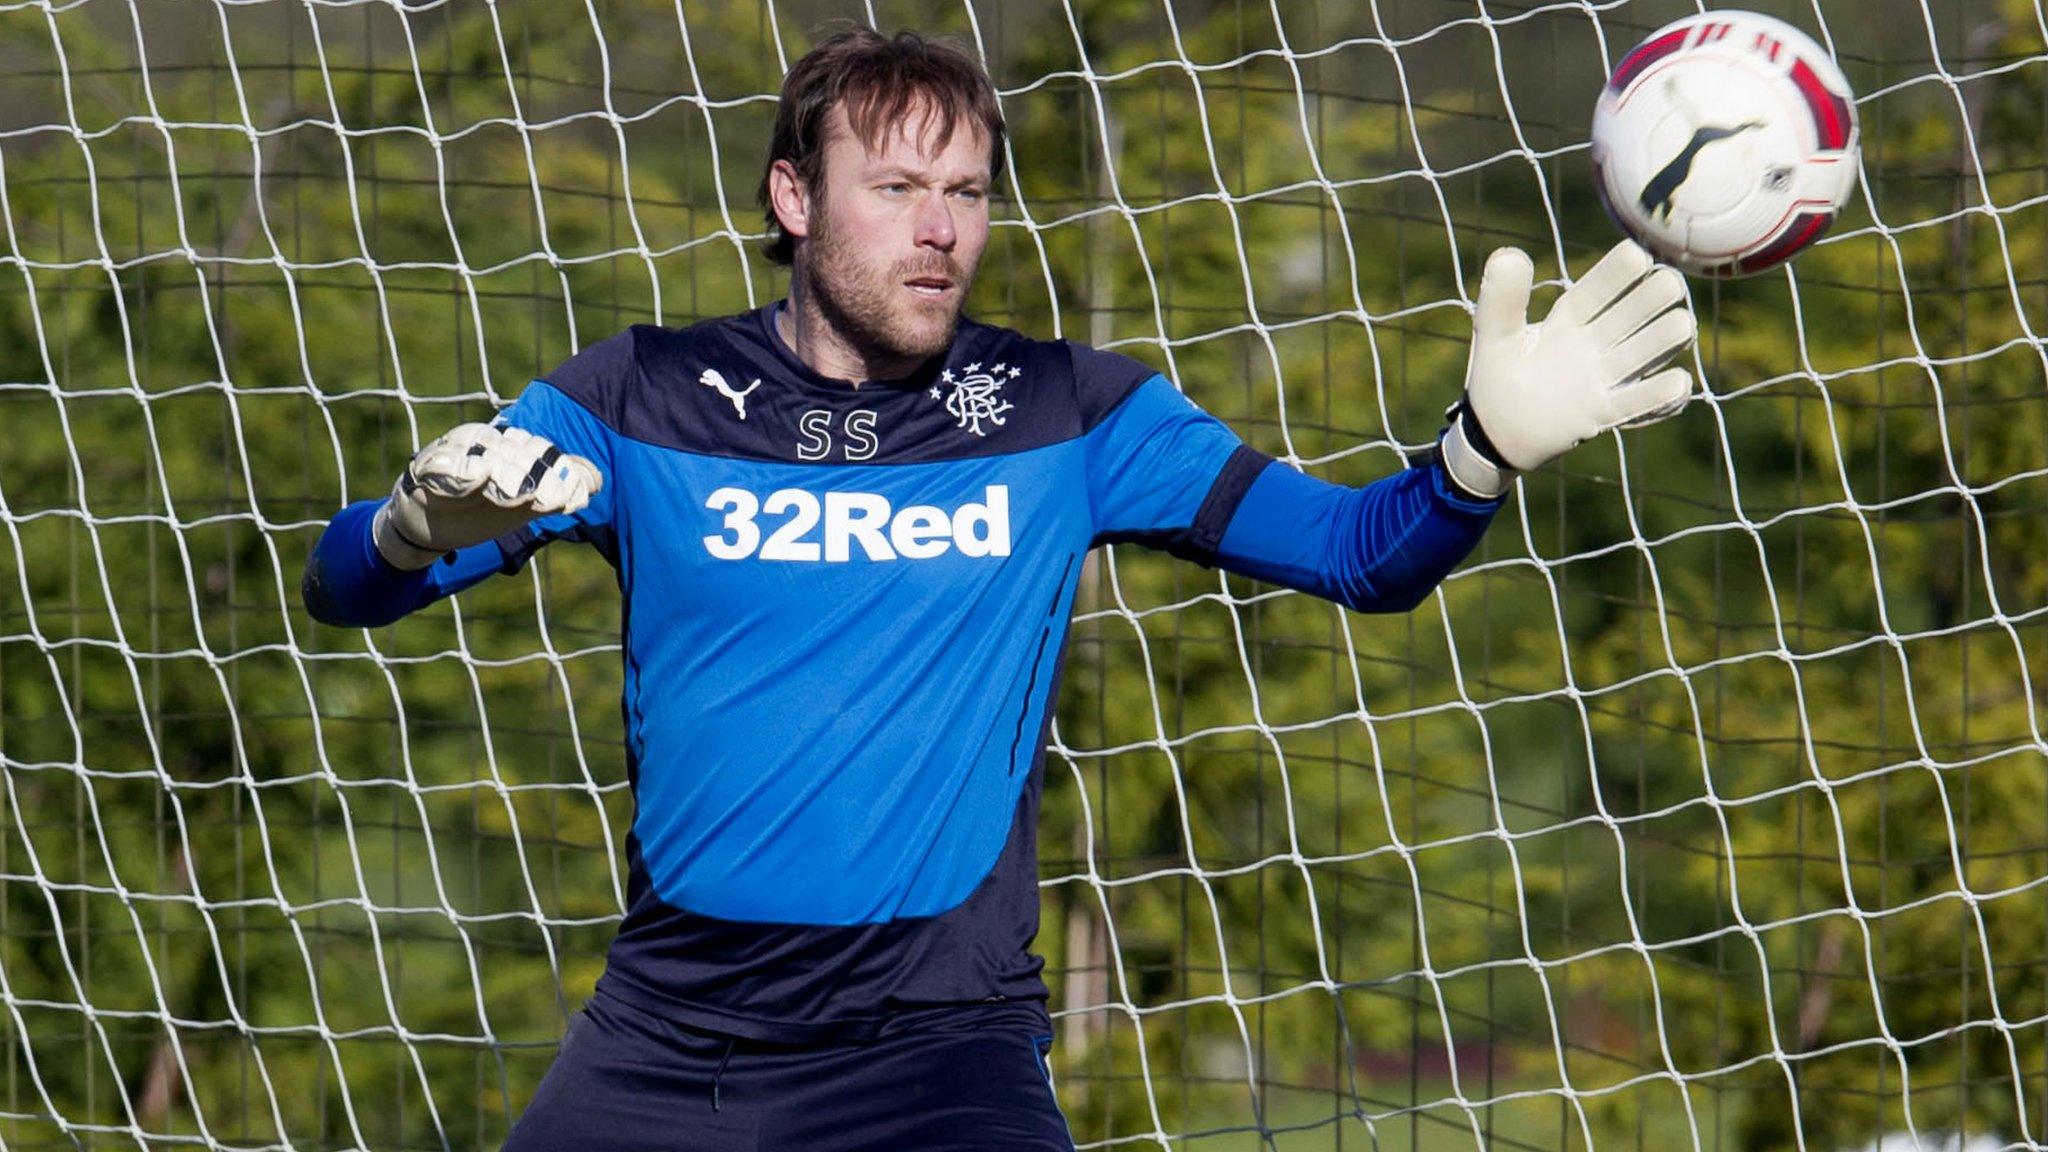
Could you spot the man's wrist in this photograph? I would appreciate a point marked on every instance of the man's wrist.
(1469, 460)
(399, 552)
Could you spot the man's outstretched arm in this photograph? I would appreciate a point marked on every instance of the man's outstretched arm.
(1164, 472)
(1380, 548)
(476, 501)
(350, 584)
(1532, 391)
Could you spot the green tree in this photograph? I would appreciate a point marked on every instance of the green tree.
(1705, 804)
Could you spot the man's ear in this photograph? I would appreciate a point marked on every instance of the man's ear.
(790, 199)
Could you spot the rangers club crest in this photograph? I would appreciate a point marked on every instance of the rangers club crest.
(976, 394)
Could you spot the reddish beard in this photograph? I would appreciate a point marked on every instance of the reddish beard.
(869, 307)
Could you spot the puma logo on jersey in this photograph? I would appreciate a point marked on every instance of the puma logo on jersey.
(712, 378)
(805, 526)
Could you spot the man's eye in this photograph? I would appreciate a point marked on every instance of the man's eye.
(971, 195)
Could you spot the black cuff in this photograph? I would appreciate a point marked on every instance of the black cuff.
(1212, 519)
(1475, 434)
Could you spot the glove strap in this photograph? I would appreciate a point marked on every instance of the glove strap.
(402, 553)
(1471, 459)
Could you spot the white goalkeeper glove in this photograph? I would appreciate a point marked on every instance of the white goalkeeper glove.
(474, 484)
(1534, 390)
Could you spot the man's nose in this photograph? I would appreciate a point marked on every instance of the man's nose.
(935, 222)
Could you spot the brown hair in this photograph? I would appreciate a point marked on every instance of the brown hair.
(880, 79)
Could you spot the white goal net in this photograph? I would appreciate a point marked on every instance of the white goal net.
(1705, 808)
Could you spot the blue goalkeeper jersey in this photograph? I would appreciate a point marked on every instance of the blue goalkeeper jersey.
(845, 612)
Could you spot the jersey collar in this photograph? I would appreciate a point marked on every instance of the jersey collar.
(765, 322)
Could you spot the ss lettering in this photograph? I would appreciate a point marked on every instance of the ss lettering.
(814, 435)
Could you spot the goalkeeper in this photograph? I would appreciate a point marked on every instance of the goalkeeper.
(848, 528)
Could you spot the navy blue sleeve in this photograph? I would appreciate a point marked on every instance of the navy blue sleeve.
(350, 584)
(1380, 548)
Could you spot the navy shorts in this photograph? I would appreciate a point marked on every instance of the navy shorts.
(628, 1081)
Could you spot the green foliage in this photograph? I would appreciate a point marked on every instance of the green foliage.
(1704, 806)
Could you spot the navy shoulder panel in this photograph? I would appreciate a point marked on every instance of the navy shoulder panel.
(600, 377)
(1103, 380)
(731, 387)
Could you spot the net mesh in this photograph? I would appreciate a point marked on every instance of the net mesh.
(1705, 807)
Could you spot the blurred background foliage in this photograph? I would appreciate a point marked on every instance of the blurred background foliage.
(1705, 807)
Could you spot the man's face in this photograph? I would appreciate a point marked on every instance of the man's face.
(896, 234)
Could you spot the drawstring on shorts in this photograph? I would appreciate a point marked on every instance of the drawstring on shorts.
(715, 1076)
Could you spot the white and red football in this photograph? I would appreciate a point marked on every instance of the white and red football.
(1725, 143)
